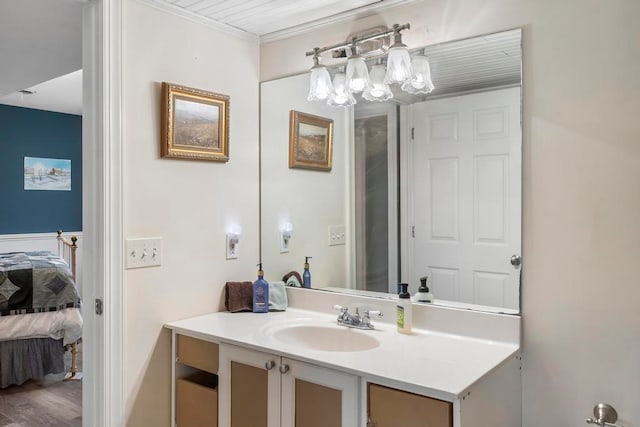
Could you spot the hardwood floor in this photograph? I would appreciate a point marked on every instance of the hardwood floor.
(47, 403)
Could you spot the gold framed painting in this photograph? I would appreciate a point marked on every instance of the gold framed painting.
(310, 141)
(195, 124)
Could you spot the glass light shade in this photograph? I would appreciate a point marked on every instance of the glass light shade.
(341, 96)
(398, 64)
(320, 86)
(357, 74)
(379, 90)
(420, 82)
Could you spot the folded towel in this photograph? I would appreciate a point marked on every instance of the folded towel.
(238, 296)
(277, 296)
(293, 278)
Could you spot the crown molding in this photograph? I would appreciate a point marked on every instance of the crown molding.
(200, 19)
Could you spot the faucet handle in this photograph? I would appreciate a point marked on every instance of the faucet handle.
(366, 319)
(341, 308)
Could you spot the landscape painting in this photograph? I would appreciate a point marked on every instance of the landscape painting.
(195, 124)
(47, 174)
(310, 141)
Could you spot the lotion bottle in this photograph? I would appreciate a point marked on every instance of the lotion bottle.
(423, 294)
(404, 315)
(260, 293)
(306, 275)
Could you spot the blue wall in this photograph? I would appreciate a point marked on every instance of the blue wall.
(25, 132)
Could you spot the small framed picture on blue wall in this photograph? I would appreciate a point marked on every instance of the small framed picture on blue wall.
(47, 174)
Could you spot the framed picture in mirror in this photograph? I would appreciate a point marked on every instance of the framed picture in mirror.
(195, 124)
(310, 141)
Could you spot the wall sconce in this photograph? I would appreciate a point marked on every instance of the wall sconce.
(233, 239)
(413, 75)
(285, 237)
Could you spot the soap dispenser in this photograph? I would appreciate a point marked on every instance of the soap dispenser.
(403, 318)
(423, 294)
(306, 275)
(260, 293)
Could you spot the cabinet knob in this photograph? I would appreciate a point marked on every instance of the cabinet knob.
(269, 365)
(284, 369)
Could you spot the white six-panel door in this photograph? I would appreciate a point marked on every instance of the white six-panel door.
(466, 196)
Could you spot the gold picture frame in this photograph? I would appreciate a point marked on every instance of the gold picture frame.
(310, 141)
(195, 124)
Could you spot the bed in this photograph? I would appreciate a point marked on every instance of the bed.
(40, 315)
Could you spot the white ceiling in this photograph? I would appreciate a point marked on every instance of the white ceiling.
(39, 40)
(62, 94)
(270, 19)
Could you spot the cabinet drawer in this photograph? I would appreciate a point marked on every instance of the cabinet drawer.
(388, 407)
(198, 354)
(196, 404)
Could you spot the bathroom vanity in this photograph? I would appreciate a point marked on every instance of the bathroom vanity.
(299, 368)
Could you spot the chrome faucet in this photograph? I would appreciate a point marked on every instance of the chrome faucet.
(355, 320)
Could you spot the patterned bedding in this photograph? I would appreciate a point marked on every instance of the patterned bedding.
(35, 282)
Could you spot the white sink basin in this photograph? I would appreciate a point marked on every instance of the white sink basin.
(325, 338)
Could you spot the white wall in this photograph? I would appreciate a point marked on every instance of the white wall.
(187, 203)
(311, 200)
(581, 187)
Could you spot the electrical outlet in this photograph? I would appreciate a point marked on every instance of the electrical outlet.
(143, 252)
(337, 235)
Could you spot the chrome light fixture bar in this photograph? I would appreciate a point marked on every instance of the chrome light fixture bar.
(412, 74)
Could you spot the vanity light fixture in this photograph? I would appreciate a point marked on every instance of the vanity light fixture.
(285, 237)
(412, 75)
(233, 239)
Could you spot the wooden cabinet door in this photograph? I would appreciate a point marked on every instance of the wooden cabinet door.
(388, 407)
(249, 388)
(317, 397)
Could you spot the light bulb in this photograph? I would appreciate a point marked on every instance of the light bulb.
(320, 86)
(341, 96)
(357, 74)
(420, 82)
(398, 65)
(379, 90)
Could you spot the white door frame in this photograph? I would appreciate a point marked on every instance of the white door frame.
(102, 213)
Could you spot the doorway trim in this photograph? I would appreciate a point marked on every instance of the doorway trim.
(102, 213)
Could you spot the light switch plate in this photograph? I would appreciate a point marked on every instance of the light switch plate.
(337, 235)
(141, 253)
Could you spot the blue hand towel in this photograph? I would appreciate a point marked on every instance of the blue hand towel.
(277, 296)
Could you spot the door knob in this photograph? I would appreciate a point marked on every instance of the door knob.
(284, 369)
(269, 365)
(516, 260)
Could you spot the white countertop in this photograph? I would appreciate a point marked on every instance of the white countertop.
(436, 364)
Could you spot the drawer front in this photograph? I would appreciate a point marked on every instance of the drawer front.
(198, 354)
(388, 407)
(196, 405)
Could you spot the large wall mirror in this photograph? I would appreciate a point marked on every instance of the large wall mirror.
(420, 185)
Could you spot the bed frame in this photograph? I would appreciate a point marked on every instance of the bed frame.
(67, 250)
